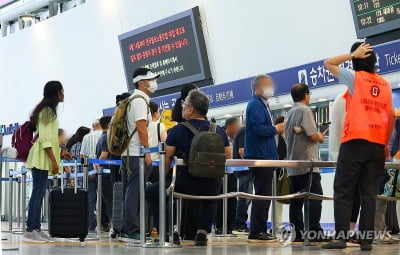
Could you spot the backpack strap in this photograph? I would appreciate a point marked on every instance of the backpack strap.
(190, 127)
(148, 111)
(158, 132)
(135, 130)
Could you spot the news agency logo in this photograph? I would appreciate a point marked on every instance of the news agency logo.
(286, 234)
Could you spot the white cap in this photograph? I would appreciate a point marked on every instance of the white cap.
(149, 76)
(96, 121)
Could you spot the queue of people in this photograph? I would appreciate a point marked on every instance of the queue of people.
(365, 131)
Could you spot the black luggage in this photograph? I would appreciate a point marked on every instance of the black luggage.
(68, 212)
(116, 219)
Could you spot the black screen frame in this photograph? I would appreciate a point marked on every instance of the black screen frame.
(201, 50)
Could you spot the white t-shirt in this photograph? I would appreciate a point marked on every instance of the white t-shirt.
(89, 143)
(137, 110)
(153, 137)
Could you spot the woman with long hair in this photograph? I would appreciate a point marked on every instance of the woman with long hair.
(44, 156)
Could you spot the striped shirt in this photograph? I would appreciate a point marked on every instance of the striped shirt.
(89, 144)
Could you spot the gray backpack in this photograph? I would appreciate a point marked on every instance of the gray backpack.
(207, 153)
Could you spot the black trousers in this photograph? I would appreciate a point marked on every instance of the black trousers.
(361, 164)
(232, 187)
(299, 183)
(355, 209)
(262, 178)
(187, 184)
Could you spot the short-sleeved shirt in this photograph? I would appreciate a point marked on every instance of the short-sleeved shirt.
(238, 142)
(300, 146)
(89, 143)
(137, 110)
(155, 129)
(181, 138)
(102, 146)
(346, 77)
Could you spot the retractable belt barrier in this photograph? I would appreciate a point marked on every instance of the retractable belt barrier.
(243, 165)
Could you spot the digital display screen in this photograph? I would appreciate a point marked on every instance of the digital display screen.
(173, 47)
(373, 17)
(6, 2)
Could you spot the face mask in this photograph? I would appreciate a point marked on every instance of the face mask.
(268, 92)
(153, 86)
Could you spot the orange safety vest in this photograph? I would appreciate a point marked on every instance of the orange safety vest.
(368, 109)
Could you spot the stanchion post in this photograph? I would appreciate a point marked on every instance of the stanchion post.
(307, 207)
(99, 196)
(162, 195)
(142, 198)
(273, 211)
(178, 213)
(23, 200)
(10, 204)
(19, 181)
(225, 204)
(85, 170)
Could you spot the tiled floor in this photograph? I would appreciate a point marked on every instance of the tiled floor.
(217, 245)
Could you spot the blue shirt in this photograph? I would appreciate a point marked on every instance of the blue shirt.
(102, 146)
(260, 136)
(181, 138)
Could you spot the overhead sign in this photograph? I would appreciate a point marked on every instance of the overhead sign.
(372, 17)
(9, 129)
(314, 74)
(173, 47)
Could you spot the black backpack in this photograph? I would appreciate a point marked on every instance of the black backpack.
(207, 153)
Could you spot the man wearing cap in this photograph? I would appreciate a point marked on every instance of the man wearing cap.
(88, 149)
(138, 117)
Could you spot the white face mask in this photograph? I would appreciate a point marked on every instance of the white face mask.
(268, 92)
(153, 86)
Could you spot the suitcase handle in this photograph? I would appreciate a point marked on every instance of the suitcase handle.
(75, 176)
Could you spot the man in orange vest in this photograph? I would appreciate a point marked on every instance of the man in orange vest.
(366, 133)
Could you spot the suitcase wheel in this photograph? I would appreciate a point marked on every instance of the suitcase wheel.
(81, 239)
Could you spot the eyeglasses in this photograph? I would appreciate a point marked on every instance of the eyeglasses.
(184, 104)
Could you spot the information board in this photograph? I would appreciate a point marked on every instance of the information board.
(173, 47)
(373, 17)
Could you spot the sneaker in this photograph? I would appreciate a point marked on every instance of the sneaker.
(385, 239)
(241, 230)
(200, 239)
(105, 229)
(130, 238)
(261, 237)
(45, 236)
(34, 236)
(176, 240)
(334, 245)
(218, 231)
(366, 246)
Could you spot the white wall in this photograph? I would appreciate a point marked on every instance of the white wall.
(80, 47)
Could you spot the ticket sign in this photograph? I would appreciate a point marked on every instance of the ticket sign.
(166, 119)
(373, 17)
(173, 47)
